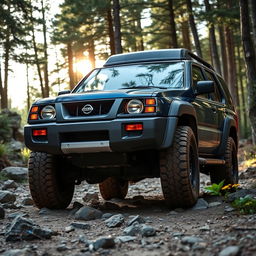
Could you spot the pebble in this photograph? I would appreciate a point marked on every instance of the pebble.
(27, 201)
(9, 184)
(106, 215)
(191, 240)
(134, 219)
(230, 251)
(20, 252)
(205, 228)
(103, 242)
(214, 204)
(80, 225)
(147, 230)
(91, 198)
(132, 230)
(229, 209)
(69, 229)
(2, 212)
(115, 221)
(62, 248)
(124, 239)
(15, 173)
(87, 213)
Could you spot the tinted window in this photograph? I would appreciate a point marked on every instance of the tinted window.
(197, 75)
(215, 96)
(164, 75)
(226, 91)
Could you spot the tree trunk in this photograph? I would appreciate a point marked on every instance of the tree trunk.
(232, 78)
(185, 34)
(4, 101)
(193, 28)
(36, 54)
(141, 41)
(70, 66)
(174, 42)
(91, 52)
(253, 19)
(28, 86)
(46, 77)
(250, 63)
(117, 25)
(223, 48)
(111, 32)
(1, 84)
(213, 43)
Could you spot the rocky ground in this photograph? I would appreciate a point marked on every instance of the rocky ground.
(138, 225)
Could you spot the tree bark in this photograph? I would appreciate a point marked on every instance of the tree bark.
(253, 19)
(193, 28)
(70, 66)
(223, 48)
(250, 61)
(1, 84)
(110, 32)
(28, 87)
(213, 42)
(46, 77)
(174, 41)
(185, 34)
(141, 40)
(117, 25)
(91, 52)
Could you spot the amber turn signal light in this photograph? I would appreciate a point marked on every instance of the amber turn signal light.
(150, 109)
(40, 132)
(150, 102)
(34, 109)
(133, 127)
(33, 116)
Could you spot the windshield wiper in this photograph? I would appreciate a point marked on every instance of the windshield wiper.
(144, 87)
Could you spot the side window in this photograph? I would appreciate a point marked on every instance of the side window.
(215, 96)
(197, 75)
(224, 86)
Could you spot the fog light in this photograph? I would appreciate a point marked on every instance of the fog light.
(33, 116)
(133, 127)
(40, 132)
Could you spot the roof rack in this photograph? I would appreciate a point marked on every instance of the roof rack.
(154, 55)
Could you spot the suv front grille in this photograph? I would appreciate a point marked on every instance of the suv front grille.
(84, 136)
(97, 108)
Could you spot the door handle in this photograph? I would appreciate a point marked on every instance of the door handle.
(214, 109)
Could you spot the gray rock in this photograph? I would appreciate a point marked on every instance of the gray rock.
(81, 225)
(62, 248)
(15, 173)
(88, 213)
(25, 229)
(16, 214)
(200, 204)
(69, 229)
(230, 251)
(191, 240)
(2, 212)
(91, 198)
(132, 230)
(214, 204)
(8, 184)
(147, 230)
(115, 221)
(7, 196)
(103, 242)
(229, 209)
(137, 219)
(20, 252)
(16, 146)
(172, 213)
(125, 239)
(27, 201)
(205, 228)
(106, 215)
(241, 193)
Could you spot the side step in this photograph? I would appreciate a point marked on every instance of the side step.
(211, 161)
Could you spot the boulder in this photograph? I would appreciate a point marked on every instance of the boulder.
(15, 173)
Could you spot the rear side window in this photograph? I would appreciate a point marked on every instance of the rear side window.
(224, 87)
(215, 96)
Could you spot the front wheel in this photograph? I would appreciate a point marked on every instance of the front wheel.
(179, 170)
(47, 182)
(113, 187)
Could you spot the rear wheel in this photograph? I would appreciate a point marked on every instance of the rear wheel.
(229, 171)
(179, 170)
(113, 187)
(47, 182)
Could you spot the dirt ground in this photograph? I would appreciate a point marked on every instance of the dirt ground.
(213, 229)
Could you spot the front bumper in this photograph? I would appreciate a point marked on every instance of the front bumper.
(157, 134)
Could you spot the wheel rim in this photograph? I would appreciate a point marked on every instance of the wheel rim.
(192, 167)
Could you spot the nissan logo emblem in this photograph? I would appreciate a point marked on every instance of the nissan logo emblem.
(87, 109)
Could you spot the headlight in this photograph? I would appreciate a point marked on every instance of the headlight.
(48, 112)
(134, 107)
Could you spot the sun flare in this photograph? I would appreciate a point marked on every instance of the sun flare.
(82, 66)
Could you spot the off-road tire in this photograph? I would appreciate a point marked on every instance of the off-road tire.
(46, 183)
(179, 170)
(229, 171)
(113, 187)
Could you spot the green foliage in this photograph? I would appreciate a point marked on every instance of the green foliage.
(5, 128)
(3, 150)
(215, 189)
(25, 153)
(245, 205)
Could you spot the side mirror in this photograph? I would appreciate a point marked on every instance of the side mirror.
(64, 92)
(203, 87)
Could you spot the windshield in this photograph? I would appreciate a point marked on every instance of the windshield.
(159, 75)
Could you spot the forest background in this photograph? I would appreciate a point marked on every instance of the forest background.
(48, 46)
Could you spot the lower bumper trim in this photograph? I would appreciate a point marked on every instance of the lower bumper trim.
(85, 147)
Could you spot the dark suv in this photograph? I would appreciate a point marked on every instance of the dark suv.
(163, 113)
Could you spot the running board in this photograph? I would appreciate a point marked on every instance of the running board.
(211, 161)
